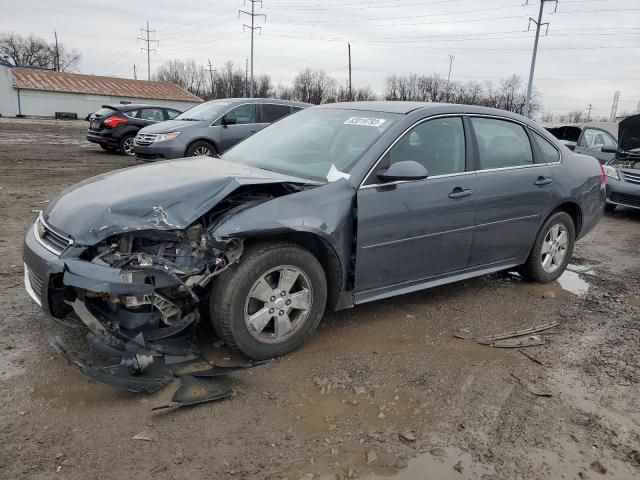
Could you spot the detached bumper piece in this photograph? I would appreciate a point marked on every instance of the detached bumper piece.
(148, 361)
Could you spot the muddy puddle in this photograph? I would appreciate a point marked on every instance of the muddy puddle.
(573, 281)
(435, 463)
(634, 300)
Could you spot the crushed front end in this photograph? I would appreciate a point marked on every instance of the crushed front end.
(138, 293)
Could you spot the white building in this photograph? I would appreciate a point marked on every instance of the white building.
(36, 92)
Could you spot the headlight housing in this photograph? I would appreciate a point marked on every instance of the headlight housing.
(611, 172)
(163, 137)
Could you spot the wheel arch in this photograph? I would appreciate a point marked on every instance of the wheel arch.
(574, 211)
(319, 248)
(202, 139)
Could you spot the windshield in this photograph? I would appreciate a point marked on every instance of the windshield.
(317, 143)
(208, 111)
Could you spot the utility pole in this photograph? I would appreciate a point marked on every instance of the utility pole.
(350, 87)
(253, 28)
(638, 108)
(246, 77)
(57, 65)
(210, 70)
(539, 24)
(589, 112)
(451, 59)
(148, 48)
(135, 76)
(614, 106)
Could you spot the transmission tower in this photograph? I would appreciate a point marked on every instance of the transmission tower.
(253, 28)
(538, 23)
(614, 106)
(148, 49)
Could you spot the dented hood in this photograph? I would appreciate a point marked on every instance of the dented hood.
(161, 196)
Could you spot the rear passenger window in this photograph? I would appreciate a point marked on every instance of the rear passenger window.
(131, 113)
(437, 144)
(271, 113)
(501, 144)
(550, 154)
(153, 114)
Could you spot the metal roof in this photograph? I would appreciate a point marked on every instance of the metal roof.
(37, 79)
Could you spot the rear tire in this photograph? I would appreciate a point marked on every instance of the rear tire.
(552, 249)
(610, 207)
(249, 310)
(200, 148)
(126, 145)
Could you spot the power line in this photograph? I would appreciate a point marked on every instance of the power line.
(148, 48)
(253, 28)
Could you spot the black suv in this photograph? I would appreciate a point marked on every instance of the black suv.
(114, 127)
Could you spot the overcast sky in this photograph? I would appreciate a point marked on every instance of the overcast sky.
(592, 49)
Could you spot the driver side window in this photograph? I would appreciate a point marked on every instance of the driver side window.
(437, 144)
(243, 114)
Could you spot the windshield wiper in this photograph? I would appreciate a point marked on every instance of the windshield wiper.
(188, 119)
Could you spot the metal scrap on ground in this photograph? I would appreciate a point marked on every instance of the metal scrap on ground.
(510, 339)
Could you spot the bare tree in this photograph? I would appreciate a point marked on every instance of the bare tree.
(33, 51)
(185, 74)
(314, 86)
(263, 87)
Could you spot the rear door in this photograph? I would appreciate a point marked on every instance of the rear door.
(414, 230)
(513, 191)
(237, 124)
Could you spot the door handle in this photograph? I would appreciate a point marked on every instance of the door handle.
(543, 181)
(459, 193)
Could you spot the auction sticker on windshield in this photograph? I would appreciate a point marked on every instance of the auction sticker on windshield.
(366, 121)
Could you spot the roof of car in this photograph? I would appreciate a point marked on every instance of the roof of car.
(611, 128)
(260, 100)
(436, 108)
(134, 106)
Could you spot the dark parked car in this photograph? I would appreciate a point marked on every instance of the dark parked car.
(598, 139)
(623, 172)
(114, 127)
(211, 128)
(335, 206)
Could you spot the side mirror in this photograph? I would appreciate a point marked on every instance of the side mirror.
(571, 147)
(609, 150)
(406, 170)
(228, 120)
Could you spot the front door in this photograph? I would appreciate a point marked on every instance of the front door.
(414, 230)
(237, 124)
(513, 192)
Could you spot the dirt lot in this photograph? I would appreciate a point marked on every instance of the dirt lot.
(382, 391)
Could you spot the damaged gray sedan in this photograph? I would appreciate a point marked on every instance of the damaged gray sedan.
(331, 207)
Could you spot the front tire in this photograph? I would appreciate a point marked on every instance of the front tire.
(552, 249)
(200, 148)
(271, 302)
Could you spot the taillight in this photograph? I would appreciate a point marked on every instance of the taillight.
(113, 121)
(603, 177)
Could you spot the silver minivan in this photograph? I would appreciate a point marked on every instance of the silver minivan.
(210, 128)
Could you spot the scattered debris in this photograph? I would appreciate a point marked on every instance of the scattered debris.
(509, 339)
(532, 358)
(407, 436)
(146, 436)
(371, 457)
(491, 339)
(531, 388)
(597, 467)
(458, 466)
(438, 452)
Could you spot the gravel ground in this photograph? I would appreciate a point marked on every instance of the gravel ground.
(382, 391)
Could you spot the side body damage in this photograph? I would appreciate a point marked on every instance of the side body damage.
(137, 273)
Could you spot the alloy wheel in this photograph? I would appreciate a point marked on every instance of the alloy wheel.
(554, 248)
(127, 146)
(278, 304)
(202, 151)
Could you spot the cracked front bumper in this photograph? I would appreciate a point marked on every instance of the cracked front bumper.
(47, 274)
